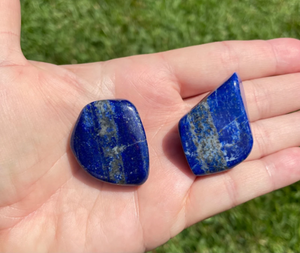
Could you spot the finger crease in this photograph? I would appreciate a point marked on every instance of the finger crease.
(268, 169)
(260, 137)
(231, 189)
(276, 64)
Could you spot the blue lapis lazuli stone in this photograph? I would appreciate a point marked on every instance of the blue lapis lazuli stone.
(109, 142)
(216, 134)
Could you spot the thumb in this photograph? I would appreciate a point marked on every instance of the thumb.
(10, 27)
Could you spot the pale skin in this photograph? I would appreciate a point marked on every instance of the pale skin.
(49, 204)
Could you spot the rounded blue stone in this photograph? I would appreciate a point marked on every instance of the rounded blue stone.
(109, 142)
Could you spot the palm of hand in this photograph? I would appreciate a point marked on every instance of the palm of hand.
(48, 203)
(57, 198)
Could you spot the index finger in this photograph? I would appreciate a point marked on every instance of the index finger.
(200, 69)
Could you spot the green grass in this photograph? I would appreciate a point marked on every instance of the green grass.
(65, 31)
(267, 224)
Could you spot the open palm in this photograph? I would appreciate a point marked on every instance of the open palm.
(48, 203)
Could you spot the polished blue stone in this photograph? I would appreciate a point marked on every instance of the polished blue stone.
(216, 134)
(109, 142)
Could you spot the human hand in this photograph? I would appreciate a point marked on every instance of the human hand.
(48, 203)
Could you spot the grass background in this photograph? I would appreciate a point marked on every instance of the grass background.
(68, 31)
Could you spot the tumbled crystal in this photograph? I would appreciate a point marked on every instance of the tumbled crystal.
(109, 142)
(216, 134)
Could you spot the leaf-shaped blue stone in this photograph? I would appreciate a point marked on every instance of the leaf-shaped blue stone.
(109, 142)
(216, 134)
